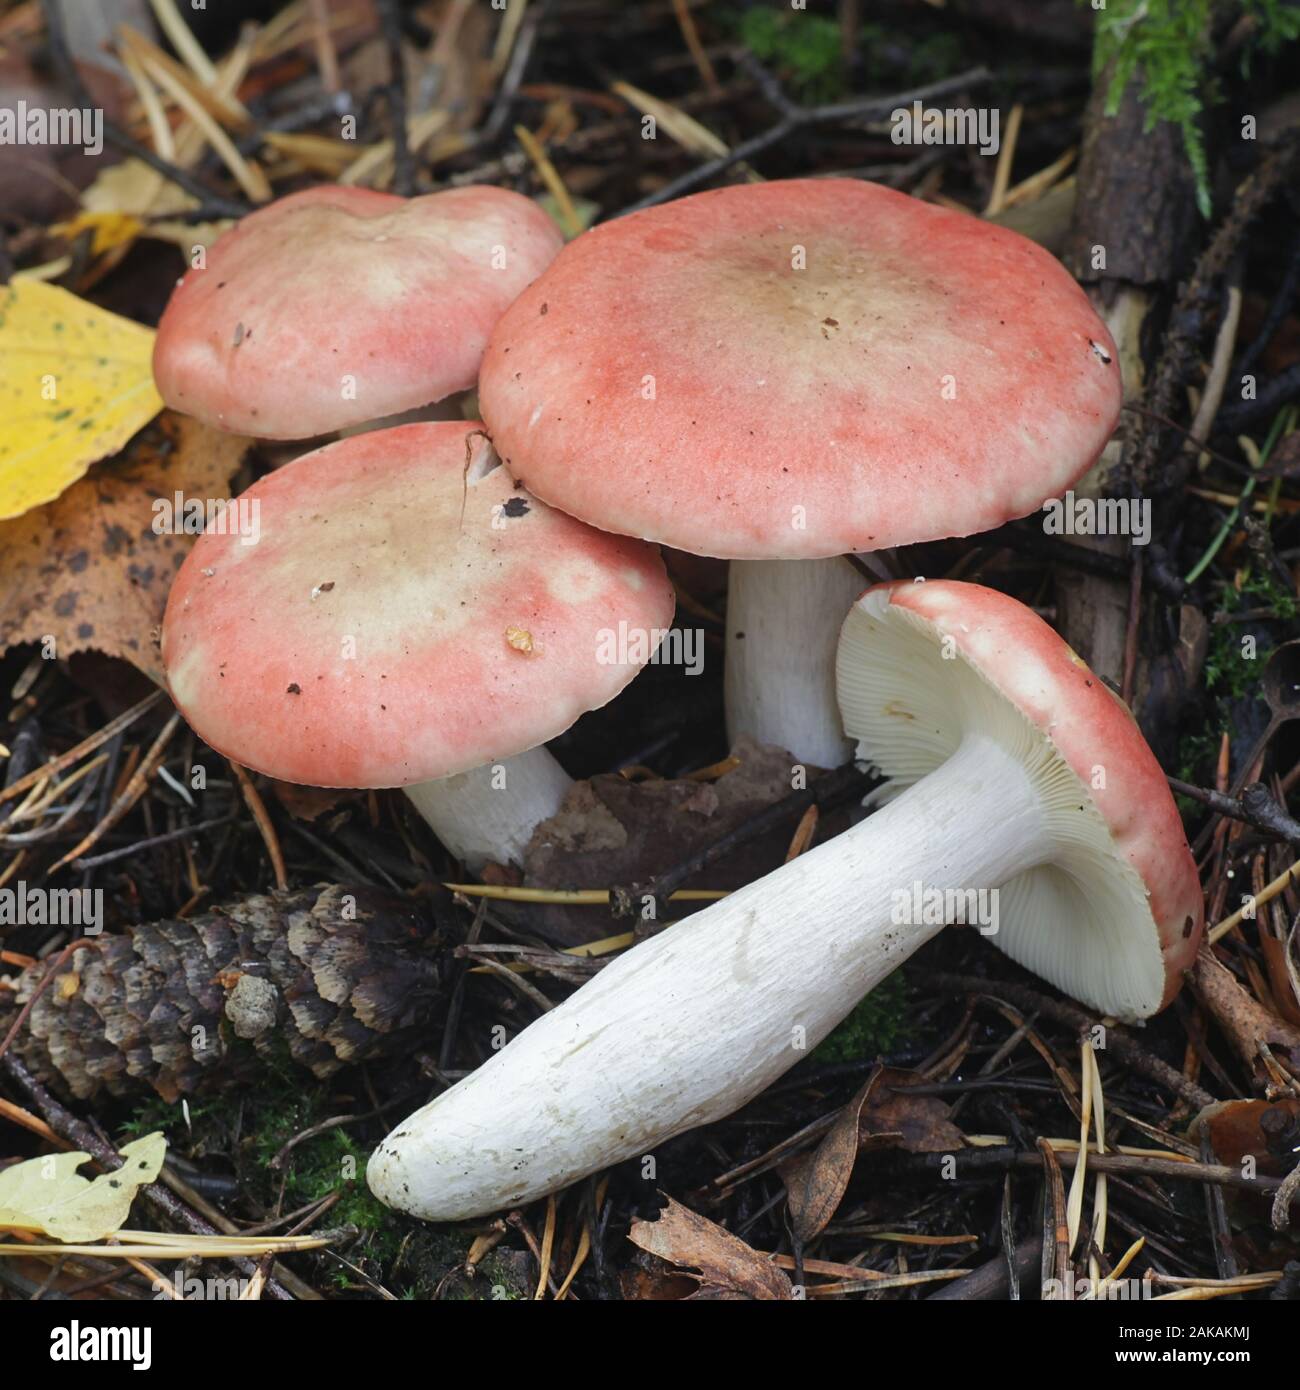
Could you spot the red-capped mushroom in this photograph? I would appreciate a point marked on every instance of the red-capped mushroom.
(338, 306)
(1012, 771)
(781, 372)
(409, 616)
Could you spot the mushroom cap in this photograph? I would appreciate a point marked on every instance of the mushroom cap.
(800, 369)
(405, 613)
(337, 305)
(1114, 819)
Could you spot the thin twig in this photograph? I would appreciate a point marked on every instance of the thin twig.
(1117, 1041)
(262, 819)
(87, 745)
(795, 117)
(1256, 806)
(134, 790)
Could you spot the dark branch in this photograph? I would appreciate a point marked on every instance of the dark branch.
(795, 117)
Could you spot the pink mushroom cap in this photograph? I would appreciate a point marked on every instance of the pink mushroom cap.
(800, 369)
(338, 305)
(404, 613)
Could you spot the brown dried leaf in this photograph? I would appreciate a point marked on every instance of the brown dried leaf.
(815, 1183)
(309, 803)
(1264, 1130)
(729, 1268)
(1286, 994)
(920, 1122)
(647, 1280)
(87, 569)
(1284, 461)
(878, 1117)
(611, 830)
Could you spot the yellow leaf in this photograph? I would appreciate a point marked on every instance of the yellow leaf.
(133, 187)
(110, 229)
(75, 385)
(88, 571)
(48, 1194)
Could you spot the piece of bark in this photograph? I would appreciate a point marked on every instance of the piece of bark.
(334, 974)
(1135, 206)
(1244, 1020)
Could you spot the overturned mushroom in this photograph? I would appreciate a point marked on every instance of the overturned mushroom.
(1011, 769)
(408, 616)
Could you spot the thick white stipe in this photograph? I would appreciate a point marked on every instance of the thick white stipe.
(690, 1025)
(489, 813)
(780, 675)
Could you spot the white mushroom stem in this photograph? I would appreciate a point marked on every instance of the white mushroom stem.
(691, 1024)
(783, 624)
(489, 813)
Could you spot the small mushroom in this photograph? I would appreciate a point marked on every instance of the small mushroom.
(337, 306)
(1010, 768)
(784, 372)
(398, 670)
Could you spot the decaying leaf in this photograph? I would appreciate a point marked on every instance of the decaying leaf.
(1267, 1131)
(1283, 973)
(133, 190)
(728, 1267)
(882, 1115)
(48, 1194)
(611, 830)
(75, 385)
(920, 1123)
(89, 571)
(815, 1183)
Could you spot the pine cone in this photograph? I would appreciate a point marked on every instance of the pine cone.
(336, 974)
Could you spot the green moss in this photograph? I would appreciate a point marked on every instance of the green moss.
(1167, 46)
(804, 47)
(1229, 674)
(250, 1126)
(874, 1026)
(806, 50)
